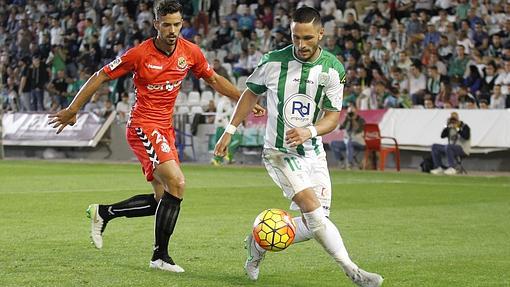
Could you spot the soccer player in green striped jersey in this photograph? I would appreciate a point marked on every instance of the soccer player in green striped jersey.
(304, 87)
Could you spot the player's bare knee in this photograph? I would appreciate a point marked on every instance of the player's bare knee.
(177, 184)
(306, 200)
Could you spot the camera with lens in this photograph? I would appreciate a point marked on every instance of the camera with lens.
(452, 122)
(453, 133)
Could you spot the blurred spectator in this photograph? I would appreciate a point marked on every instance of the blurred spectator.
(24, 86)
(445, 99)
(465, 98)
(434, 80)
(504, 78)
(214, 10)
(188, 31)
(123, 108)
(459, 135)
(457, 64)
(58, 88)
(37, 78)
(495, 46)
(144, 14)
(484, 105)
(344, 150)
(417, 85)
(428, 102)
(10, 99)
(220, 70)
(254, 57)
(498, 99)
(473, 80)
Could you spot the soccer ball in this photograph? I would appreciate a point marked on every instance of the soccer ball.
(274, 229)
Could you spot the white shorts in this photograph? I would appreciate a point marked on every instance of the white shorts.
(294, 173)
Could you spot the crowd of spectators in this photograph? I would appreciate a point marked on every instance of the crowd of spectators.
(397, 54)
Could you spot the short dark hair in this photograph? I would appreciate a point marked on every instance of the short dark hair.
(165, 7)
(307, 14)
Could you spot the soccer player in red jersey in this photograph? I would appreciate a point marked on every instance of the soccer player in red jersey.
(159, 66)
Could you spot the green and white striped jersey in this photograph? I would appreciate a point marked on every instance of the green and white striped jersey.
(296, 92)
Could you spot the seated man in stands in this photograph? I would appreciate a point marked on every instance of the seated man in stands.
(459, 144)
(353, 126)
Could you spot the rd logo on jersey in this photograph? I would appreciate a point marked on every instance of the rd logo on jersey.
(181, 63)
(298, 111)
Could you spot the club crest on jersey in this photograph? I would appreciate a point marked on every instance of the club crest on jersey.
(298, 110)
(181, 63)
(323, 79)
(165, 147)
(115, 63)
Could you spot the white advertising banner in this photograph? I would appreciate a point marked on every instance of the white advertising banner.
(419, 128)
(32, 129)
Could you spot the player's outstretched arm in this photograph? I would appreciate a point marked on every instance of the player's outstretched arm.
(224, 87)
(245, 104)
(67, 116)
(328, 123)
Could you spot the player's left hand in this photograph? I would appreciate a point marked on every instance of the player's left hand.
(62, 119)
(297, 136)
(258, 110)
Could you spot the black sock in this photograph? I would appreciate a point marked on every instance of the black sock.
(136, 206)
(166, 218)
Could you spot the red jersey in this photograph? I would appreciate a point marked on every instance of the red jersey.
(157, 78)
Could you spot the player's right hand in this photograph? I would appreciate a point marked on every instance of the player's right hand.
(258, 110)
(61, 119)
(221, 146)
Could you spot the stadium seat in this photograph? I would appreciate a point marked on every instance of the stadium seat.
(373, 143)
(207, 96)
(181, 100)
(182, 110)
(193, 98)
(196, 110)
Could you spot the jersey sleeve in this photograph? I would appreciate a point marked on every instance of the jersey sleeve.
(256, 81)
(201, 68)
(333, 88)
(122, 65)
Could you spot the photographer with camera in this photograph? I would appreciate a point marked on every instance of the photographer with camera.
(459, 145)
(353, 137)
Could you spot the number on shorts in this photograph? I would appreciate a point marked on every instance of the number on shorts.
(293, 163)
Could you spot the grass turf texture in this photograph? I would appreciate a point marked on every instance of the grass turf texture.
(414, 229)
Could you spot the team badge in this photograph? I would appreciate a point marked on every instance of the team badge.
(181, 63)
(323, 79)
(165, 147)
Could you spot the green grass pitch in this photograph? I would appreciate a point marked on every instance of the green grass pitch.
(414, 229)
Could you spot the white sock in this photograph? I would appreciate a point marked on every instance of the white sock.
(302, 231)
(326, 233)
